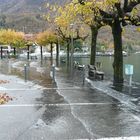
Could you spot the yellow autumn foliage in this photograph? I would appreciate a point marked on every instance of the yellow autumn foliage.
(11, 37)
(46, 37)
(138, 29)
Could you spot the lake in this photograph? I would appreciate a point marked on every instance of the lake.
(133, 59)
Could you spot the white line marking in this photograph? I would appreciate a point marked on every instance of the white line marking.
(121, 138)
(37, 105)
(72, 88)
(135, 117)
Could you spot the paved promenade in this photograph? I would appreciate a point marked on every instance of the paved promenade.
(42, 109)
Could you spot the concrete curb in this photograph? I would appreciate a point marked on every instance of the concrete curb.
(104, 87)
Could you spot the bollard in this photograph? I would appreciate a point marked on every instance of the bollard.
(53, 72)
(130, 80)
(25, 72)
(83, 74)
(130, 90)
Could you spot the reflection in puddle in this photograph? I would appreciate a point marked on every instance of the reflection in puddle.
(52, 113)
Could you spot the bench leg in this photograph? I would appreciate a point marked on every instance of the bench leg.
(102, 77)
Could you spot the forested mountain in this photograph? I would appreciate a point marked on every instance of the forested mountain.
(25, 15)
(29, 6)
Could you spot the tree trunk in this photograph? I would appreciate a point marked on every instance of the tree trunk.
(41, 52)
(68, 53)
(57, 50)
(118, 56)
(14, 51)
(94, 33)
(28, 49)
(51, 50)
(57, 54)
(51, 53)
(1, 52)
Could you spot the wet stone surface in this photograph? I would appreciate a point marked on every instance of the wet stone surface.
(104, 116)
(62, 110)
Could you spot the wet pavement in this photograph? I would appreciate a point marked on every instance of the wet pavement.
(64, 109)
(102, 115)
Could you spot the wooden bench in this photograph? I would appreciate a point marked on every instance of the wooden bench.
(63, 61)
(93, 72)
(75, 64)
(80, 67)
(100, 74)
(34, 57)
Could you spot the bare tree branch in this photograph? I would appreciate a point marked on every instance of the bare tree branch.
(125, 4)
(106, 17)
(68, 38)
(128, 7)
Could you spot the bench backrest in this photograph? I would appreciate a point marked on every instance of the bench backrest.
(92, 67)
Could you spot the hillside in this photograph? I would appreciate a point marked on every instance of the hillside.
(25, 6)
(130, 38)
(24, 15)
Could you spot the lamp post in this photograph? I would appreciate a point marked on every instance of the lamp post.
(57, 48)
(57, 51)
(41, 52)
(72, 46)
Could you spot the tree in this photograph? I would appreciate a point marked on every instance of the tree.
(12, 38)
(121, 15)
(47, 37)
(89, 13)
(118, 13)
(29, 41)
(69, 27)
(18, 41)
